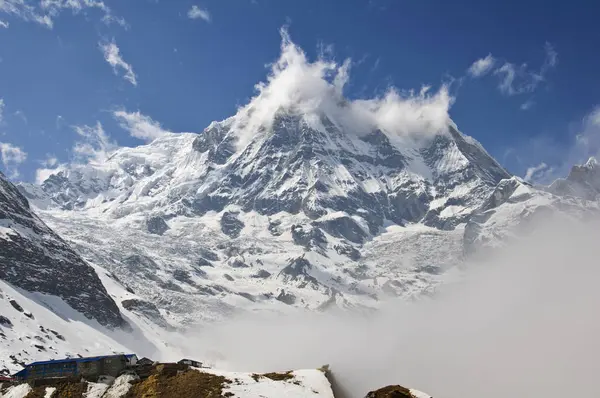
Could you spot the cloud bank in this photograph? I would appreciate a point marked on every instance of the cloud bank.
(112, 55)
(315, 89)
(522, 324)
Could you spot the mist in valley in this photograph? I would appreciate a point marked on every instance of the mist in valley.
(522, 323)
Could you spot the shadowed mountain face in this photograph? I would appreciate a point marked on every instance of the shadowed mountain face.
(36, 259)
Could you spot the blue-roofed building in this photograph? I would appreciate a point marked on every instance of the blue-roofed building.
(89, 367)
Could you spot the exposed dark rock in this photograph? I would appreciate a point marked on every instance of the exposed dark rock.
(217, 143)
(142, 265)
(58, 335)
(183, 276)
(156, 225)
(146, 309)
(287, 298)
(275, 228)
(231, 225)
(247, 296)
(237, 263)
(344, 227)
(16, 305)
(348, 250)
(228, 277)
(262, 274)
(308, 236)
(202, 262)
(4, 321)
(170, 285)
(298, 270)
(209, 254)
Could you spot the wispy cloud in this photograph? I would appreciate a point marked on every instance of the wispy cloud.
(139, 126)
(534, 171)
(12, 157)
(44, 12)
(4, 24)
(50, 161)
(199, 13)
(547, 159)
(482, 66)
(520, 79)
(112, 55)
(2, 109)
(94, 144)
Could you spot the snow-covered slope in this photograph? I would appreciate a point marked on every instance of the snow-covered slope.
(36, 259)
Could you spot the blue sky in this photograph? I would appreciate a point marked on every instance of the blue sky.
(140, 66)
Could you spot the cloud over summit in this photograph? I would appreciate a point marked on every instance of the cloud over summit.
(315, 88)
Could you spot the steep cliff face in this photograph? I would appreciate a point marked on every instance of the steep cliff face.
(36, 259)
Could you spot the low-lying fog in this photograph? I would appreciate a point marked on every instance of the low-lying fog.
(525, 323)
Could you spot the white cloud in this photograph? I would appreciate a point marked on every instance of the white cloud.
(534, 171)
(198, 13)
(95, 145)
(521, 79)
(1, 109)
(50, 161)
(50, 166)
(45, 12)
(4, 24)
(139, 126)
(12, 157)
(112, 55)
(482, 66)
(314, 88)
(43, 174)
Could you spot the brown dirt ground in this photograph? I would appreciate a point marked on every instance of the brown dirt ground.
(37, 392)
(188, 384)
(391, 392)
(70, 390)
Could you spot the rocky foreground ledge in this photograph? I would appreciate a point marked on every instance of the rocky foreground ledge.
(172, 381)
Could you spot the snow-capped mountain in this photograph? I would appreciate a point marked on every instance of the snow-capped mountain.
(583, 181)
(302, 214)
